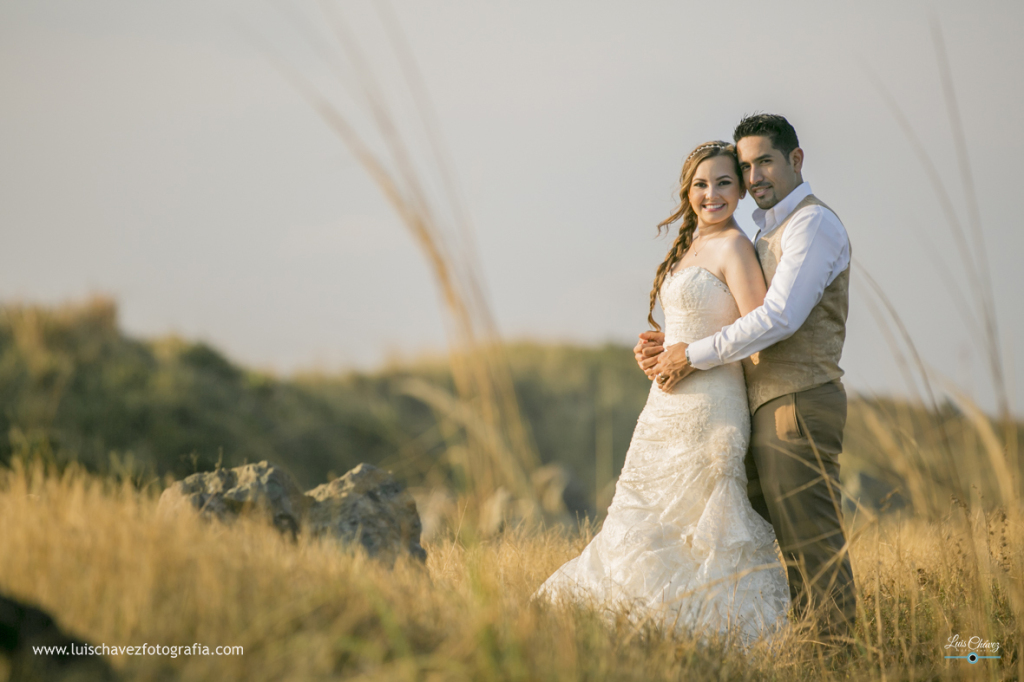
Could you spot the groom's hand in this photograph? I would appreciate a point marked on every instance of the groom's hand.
(647, 350)
(672, 367)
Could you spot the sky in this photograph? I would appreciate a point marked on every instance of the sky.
(151, 152)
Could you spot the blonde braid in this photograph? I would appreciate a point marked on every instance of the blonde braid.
(675, 254)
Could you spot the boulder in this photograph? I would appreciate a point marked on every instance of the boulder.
(224, 494)
(368, 506)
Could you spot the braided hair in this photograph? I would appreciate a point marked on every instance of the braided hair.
(685, 211)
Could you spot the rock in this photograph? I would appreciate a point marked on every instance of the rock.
(23, 627)
(369, 506)
(225, 494)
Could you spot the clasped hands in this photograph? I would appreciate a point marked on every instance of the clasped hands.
(666, 366)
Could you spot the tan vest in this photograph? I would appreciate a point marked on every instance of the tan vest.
(810, 357)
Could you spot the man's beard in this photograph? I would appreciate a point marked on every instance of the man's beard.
(767, 201)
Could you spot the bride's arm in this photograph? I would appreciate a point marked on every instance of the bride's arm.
(743, 274)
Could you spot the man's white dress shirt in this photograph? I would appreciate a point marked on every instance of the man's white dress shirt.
(815, 250)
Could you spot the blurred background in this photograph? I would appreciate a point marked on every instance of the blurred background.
(194, 268)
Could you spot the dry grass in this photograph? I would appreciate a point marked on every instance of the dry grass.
(92, 552)
(485, 413)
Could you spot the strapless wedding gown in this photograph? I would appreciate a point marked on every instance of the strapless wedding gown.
(681, 542)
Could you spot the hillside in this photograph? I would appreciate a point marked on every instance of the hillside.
(73, 386)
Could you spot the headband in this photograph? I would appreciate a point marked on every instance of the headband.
(710, 145)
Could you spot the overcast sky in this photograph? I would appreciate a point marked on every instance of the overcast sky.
(149, 151)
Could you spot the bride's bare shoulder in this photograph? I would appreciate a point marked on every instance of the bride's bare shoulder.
(739, 257)
(737, 243)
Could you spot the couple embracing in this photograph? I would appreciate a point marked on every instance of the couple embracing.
(737, 447)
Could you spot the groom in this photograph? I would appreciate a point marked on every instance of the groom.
(790, 348)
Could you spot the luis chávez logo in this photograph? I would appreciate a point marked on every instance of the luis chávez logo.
(969, 648)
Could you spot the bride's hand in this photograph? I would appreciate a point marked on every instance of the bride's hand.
(672, 367)
(647, 350)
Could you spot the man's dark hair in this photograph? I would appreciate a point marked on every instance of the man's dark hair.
(774, 127)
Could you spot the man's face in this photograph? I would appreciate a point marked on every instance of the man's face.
(768, 174)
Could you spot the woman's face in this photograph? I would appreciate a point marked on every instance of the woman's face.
(715, 191)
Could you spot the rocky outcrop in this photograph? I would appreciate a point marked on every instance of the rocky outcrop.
(23, 627)
(367, 506)
(225, 494)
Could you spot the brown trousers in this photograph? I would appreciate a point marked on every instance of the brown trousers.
(793, 482)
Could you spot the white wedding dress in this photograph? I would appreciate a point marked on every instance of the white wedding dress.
(681, 542)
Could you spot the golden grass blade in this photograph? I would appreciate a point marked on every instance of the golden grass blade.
(478, 368)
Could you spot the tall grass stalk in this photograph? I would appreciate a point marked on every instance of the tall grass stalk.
(972, 252)
(500, 451)
(988, 482)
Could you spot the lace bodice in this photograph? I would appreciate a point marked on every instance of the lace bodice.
(696, 303)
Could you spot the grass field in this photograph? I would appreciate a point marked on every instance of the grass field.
(97, 423)
(91, 550)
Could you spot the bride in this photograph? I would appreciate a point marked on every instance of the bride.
(681, 542)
